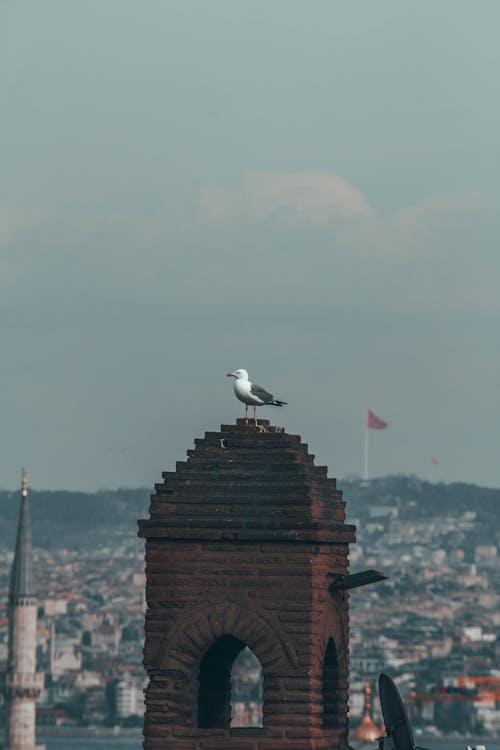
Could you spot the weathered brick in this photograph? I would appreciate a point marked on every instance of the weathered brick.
(241, 541)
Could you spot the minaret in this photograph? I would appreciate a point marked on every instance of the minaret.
(22, 682)
(367, 730)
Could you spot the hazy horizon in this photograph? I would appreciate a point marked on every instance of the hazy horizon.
(150, 488)
(310, 193)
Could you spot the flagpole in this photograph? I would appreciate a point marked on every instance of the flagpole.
(365, 470)
(375, 423)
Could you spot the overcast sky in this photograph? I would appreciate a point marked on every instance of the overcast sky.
(309, 190)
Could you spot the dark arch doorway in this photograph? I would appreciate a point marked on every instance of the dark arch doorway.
(331, 687)
(230, 674)
(214, 695)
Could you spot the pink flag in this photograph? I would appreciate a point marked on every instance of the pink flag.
(373, 422)
(434, 461)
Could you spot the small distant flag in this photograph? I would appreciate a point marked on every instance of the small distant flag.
(434, 461)
(373, 422)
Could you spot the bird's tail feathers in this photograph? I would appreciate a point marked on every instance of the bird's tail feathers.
(278, 403)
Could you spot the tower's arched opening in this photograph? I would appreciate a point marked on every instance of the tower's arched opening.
(230, 686)
(247, 690)
(214, 694)
(331, 687)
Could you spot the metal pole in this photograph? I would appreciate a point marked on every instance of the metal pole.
(365, 472)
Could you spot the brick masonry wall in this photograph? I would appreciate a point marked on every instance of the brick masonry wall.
(241, 539)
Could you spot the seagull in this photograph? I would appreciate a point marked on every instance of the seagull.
(251, 394)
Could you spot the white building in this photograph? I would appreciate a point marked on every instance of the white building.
(129, 700)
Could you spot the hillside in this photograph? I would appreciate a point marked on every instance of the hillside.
(77, 519)
(74, 519)
(415, 499)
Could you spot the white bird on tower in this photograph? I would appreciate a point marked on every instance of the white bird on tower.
(252, 394)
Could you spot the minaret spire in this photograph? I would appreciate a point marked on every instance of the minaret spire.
(367, 730)
(22, 683)
(22, 580)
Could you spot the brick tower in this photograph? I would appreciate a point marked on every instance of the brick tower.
(22, 683)
(240, 545)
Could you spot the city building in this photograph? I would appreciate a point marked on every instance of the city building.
(129, 700)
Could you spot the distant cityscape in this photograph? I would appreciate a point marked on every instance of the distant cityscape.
(433, 625)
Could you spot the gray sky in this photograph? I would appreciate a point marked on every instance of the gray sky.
(306, 190)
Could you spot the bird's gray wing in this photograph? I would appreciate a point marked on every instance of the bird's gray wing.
(257, 390)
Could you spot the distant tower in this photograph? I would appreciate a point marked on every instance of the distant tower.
(22, 683)
(367, 730)
(241, 547)
(52, 655)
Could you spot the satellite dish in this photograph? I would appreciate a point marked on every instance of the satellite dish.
(396, 721)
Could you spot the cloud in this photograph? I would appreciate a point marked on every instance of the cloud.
(440, 253)
(13, 221)
(437, 254)
(324, 199)
(422, 229)
(35, 236)
(313, 197)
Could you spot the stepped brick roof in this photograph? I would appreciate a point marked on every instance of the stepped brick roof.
(248, 481)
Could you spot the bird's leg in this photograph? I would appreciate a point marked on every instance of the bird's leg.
(255, 414)
(246, 412)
